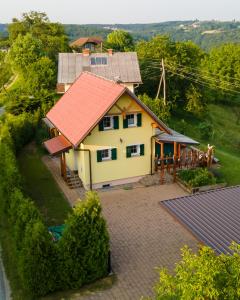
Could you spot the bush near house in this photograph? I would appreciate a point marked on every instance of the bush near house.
(202, 275)
(197, 177)
(35, 264)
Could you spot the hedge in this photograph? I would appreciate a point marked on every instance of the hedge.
(42, 266)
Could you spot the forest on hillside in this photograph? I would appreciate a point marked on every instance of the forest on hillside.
(206, 34)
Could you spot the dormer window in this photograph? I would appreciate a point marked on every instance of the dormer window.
(96, 61)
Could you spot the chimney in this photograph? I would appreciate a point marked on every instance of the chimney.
(86, 52)
(110, 52)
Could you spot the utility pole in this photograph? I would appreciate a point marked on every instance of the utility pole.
(162, 79)
(164, 83)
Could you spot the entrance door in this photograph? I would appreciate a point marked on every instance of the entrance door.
(168, 149)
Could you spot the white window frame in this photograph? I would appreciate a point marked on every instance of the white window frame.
(101, 58)
(111, 123)
(138, 150)
(109, 157)
(135, 120)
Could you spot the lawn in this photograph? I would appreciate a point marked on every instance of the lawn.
(39, 185)
(225, 136)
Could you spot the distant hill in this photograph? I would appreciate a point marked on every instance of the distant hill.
(206, 34)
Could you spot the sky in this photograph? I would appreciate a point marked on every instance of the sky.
(122, 11)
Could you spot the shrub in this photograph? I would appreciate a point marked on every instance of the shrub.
(38, 262)
(197, 177)
(84, 245)
(202, 275)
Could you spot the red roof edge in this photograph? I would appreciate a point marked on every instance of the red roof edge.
(57, 145)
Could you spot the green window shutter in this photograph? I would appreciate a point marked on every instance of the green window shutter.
(142, 149)
(100, 126)
(114, 153)
(139, 120)
(128, 151)
(99, 155)
(125, 123)
(116, 122)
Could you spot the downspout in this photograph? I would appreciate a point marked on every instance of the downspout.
(90, 164)
(152, 139)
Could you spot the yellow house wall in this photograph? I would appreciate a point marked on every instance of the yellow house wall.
(70, 160)
(123, 167)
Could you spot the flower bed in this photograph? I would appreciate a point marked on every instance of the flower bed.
(198, 180)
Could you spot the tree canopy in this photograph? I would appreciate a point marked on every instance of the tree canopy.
(120, 40)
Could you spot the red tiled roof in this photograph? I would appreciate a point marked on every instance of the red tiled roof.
(83, 105)
(57, 145)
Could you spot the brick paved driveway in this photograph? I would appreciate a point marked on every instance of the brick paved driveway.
(143, 236)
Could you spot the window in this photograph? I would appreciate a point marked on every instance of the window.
(135, 150)
(131, 120)
(106, 154)
(107, 123)
(98, 61)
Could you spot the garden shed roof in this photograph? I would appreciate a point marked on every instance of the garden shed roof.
(213, 216)
(174, 136)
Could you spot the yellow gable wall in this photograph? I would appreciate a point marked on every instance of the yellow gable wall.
(107, 171)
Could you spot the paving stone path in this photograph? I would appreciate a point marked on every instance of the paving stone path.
(143, 236)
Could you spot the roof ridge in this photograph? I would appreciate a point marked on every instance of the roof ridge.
(104, 78)
(118, 52)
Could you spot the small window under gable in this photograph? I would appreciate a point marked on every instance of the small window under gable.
(108, 122)
(96, 61)
(131, 120)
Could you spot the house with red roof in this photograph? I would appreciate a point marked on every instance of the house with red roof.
(105, 134)
(90, 42)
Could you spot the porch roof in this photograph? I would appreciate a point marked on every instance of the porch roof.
(174, 137)
(57, 145)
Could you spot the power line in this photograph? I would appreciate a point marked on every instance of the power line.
(203, 83)
(212, 80)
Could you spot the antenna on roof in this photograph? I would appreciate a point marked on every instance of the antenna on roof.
(117, 79)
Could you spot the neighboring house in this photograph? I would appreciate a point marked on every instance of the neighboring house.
(121, 67)
(91, 43)
(106, 134)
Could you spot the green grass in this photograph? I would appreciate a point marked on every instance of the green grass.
(225, 136)
(230, 167)
(39, 185)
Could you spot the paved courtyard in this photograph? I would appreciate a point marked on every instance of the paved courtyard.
(143, 236)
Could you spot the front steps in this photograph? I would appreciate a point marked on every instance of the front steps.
(73, 180)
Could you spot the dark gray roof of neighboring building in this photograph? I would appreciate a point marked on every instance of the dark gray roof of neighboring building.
(174, 137)
(213, 217)
(121, 66)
